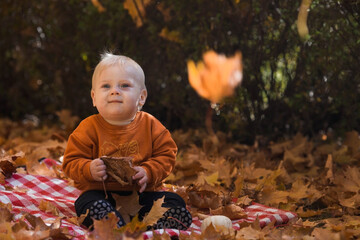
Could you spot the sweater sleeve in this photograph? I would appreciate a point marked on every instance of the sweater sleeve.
(162, 161)
(77, 158)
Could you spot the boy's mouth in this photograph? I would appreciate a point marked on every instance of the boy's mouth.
(115, 101)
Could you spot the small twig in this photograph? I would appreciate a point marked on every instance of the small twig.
(106, 195)
(208, 121)
(287, 224)
(178, 222)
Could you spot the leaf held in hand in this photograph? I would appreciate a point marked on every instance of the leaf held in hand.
(120, 168)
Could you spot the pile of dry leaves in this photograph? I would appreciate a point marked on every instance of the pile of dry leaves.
(316, 178)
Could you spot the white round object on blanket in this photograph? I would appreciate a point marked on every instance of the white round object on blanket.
(218, 222)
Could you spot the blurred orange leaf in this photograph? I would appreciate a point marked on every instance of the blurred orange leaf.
(136, 10)
(217, 76)
(173, 36)
(98, 5)
(302, 18)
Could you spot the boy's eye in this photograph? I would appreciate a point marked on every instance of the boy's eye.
(125, 85)
(105, 86)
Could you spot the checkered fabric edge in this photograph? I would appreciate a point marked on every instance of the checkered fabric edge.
(264, 213)
(25, 192)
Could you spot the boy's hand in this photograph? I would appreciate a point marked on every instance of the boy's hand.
(98, 169)
(141, 178)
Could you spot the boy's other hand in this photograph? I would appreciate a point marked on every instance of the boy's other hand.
(98, 169)
(141, 178)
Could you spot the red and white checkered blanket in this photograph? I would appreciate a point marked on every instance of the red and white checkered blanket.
(25, 192)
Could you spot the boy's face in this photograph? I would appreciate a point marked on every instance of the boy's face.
(117, 95)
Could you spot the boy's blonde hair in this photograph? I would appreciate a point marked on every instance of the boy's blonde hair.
(126, 63)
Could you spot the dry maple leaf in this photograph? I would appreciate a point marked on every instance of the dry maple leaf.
(156, 212)
(104, 228)
(120, 168)
(136, 227)
(128, 206)
(216, 77)
(231, 211)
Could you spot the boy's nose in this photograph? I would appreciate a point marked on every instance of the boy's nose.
(115, 91)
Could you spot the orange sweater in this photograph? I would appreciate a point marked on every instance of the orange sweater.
(145, 139)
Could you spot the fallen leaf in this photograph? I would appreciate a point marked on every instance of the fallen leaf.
(206, 199)
(47, 206)
(272, 197)
(104, 228)
(7, 168)
(5, 215)
(212, 232)
(329, 167)
(308, 213)
(156, 212)
(128, 206)
(231, 211)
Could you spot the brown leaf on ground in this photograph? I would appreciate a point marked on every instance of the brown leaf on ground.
(128, 206)
(329, 167)
(308, 213)
(5, 215)
(120, 168)
(348, 184)
(156, 212)
(47, 206)
(301, 190)
(2, 179)
(134, 229)
(7, 168)
(270, 196)
(206, 198)
(231, 211)
(217, 232)
(78, 220)
(37, 168)
(43, 231)
(104, 228)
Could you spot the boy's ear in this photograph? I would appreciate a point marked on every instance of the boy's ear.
(143, 96)
(93, 97)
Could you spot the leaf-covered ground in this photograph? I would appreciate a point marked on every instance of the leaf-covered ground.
(318, 179)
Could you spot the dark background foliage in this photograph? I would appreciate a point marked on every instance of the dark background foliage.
(48, 50)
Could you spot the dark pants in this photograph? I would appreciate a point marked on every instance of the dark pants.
(146, 199)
